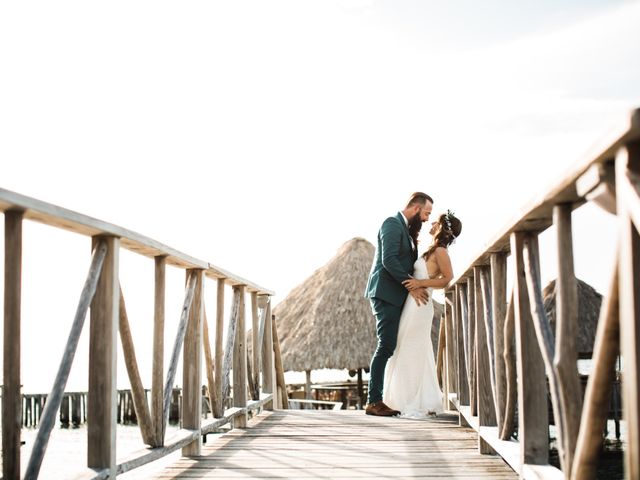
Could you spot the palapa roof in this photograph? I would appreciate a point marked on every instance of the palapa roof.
(589, 301)
(326, 322)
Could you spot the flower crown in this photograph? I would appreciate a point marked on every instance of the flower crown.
(447, 223)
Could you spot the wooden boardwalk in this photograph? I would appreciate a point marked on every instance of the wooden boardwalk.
(343, 444)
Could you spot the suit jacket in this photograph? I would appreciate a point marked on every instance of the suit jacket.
(393, 262)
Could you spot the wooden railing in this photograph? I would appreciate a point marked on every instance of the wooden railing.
(502, 358)
(260, 375)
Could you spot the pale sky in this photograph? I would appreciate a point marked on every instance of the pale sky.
(261, 136)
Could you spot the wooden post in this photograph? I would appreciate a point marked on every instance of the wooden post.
(471, 312)
(192, 368)
(11, 399)
(509, 356)
(157, 378)
(208, 363)
(218, 402)
(463, 382)
(597, 397)
(499, 309)
(450, 351)
(268, 372)
(281, 387)
(628, 161)
(240, 362)
(255, 346)
(533, 417)
(138, 394)
(486, 409)
(566, 351)
(103, 332)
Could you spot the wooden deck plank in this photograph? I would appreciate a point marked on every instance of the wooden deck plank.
(342, 444)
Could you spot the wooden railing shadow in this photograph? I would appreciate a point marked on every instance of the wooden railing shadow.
(258, 381)
(501, 352)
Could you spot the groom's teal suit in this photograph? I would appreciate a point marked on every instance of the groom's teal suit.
(393, 264)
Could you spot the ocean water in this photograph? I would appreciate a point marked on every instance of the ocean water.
(66, 453)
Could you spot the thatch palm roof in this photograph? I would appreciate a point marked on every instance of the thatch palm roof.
(589, 301)
(326, 322)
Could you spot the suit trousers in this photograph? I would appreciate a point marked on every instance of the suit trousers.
(387, 323)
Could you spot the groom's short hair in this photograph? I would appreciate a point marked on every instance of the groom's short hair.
(419, 197)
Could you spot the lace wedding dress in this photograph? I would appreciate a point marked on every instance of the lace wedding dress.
(410, 380)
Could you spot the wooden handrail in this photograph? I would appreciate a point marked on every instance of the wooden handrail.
(65, 219)
(522, 337)
(108, 316)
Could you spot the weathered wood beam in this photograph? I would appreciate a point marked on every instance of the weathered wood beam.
(219, 399)
(509, 355)
(157, 373)
(533, 418)
(192, 365)
(11, 394)
(598, 393)
(103, 333)
(177, 345)
(499, 309)
(137, 389)
(546, 341)
(628, 162)
(240, 360)
(566, 350)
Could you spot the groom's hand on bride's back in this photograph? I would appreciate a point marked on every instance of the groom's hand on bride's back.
(420, 295)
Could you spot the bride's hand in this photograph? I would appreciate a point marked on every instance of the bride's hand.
(420, 295)
(411, 284)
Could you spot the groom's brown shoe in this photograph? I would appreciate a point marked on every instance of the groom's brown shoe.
(380, 409)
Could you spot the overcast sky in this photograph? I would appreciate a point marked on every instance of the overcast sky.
(261, 136)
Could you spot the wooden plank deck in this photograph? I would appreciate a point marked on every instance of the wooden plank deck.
(342, 444)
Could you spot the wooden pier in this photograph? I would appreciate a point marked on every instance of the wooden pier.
(499, 358)
(342, 444)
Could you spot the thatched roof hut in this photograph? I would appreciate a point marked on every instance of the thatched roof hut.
(589, 301)
(326, 322)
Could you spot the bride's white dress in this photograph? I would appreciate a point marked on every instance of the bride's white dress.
(410, 380)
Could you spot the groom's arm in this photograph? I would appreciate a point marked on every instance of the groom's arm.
(390, 239)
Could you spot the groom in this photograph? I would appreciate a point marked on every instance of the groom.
(393, 263)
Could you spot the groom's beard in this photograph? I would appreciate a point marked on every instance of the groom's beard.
(415, 224)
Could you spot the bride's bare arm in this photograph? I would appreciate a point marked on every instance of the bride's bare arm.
(446, 273)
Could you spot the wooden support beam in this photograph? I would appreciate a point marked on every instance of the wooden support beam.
(103, 333)
(208, 361)
(11, 395)
(192, 366)
(486, 405)
(268, 370)
(509, 356)
(240, 361)
(566, 349)
(628, 162)
(283, 398)
(499, 309)
(137, 389)
(463, 381)
(255, 347)
(219, 399)
(177, 346)
(533, 418)
(157, 376)
(473, 369)
(598, 394)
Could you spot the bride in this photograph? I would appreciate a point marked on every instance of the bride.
(410, 381)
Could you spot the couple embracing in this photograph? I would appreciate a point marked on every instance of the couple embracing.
(402, 375)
